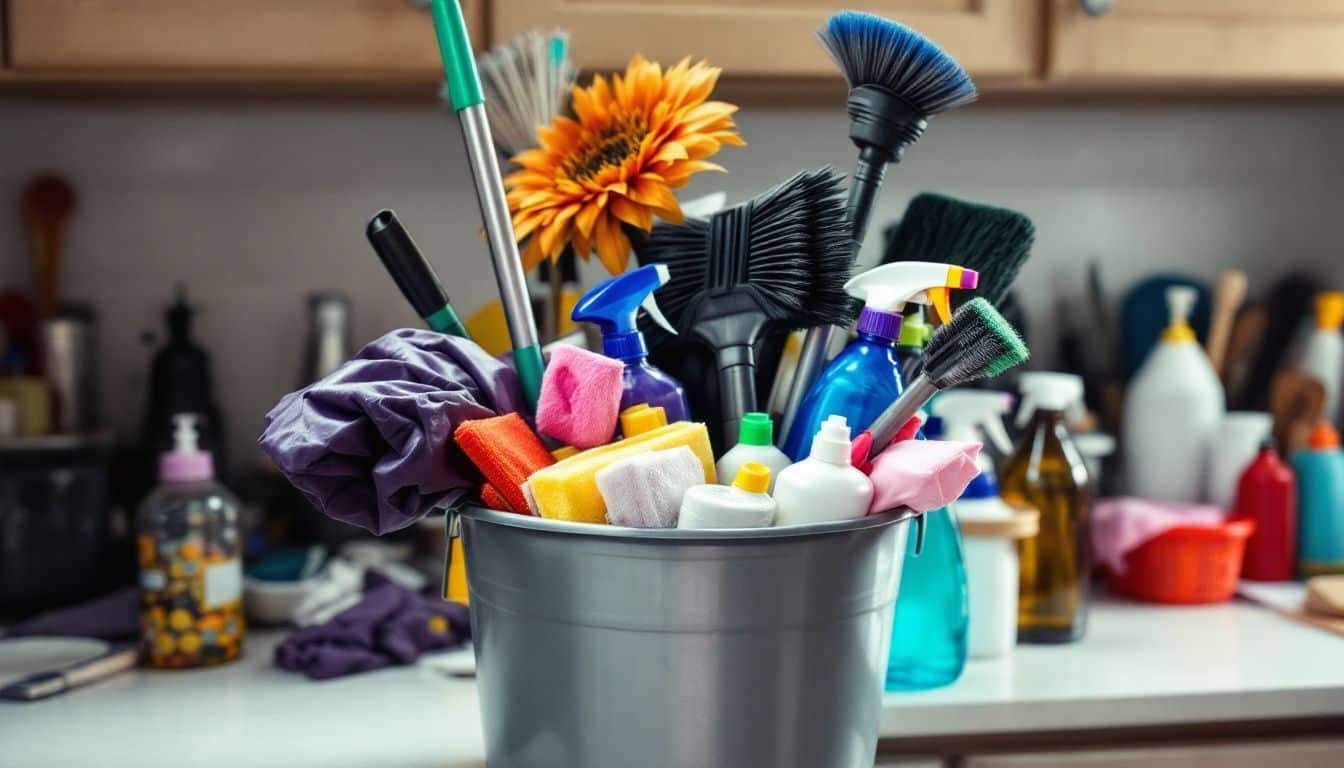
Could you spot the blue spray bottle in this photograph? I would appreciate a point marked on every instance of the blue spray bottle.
(613, 305)
(866, 376)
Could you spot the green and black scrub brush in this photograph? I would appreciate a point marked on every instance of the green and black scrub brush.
(977, 343)
(993, 241)
(776, 262)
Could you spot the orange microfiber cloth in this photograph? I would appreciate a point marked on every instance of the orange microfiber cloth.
(494, 499)
(506, 451)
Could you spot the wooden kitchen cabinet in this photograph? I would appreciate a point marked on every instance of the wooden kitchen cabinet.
(991, 38)
(269, 39)
(1236, 42)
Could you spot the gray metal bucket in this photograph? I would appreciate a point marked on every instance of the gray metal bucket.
(607, 647)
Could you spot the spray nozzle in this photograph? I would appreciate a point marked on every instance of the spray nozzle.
(185, 437)
(613, 305)
(1180, 303)
(965, 410)
(890, 287)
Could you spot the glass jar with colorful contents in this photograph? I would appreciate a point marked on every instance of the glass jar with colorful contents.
(191, 607)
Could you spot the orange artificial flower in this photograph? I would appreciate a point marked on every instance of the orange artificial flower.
(633, 142)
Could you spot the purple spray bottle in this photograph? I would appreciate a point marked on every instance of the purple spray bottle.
(613, 305)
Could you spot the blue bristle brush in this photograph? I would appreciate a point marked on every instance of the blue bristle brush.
(898, 79)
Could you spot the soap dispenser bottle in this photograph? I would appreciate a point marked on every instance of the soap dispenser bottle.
(191, 573)
(1320, 497)
(824, 486)
(614, 306)
(866, 376)
(1172, 409)
(1323, 353)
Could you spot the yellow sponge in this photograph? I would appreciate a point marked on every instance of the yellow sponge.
(567, 490)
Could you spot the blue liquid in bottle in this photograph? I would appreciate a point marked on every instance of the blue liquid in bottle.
(928, 638)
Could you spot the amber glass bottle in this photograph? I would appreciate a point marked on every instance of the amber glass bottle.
(1046, 471)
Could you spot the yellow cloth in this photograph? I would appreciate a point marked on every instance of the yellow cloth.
(568, 490)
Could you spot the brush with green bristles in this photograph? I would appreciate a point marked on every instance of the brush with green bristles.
(993, 241)
(977, 343)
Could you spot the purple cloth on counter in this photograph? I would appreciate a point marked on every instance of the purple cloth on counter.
(113, 617)
(391, 626)
(371, 444)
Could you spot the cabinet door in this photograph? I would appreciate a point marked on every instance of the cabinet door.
(1216, 41)
(996, 38)
(292, 39)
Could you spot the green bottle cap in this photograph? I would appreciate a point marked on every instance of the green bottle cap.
(756, 429)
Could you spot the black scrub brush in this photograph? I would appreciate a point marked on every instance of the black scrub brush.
(776, 262)
(993, 241)
(898, 79)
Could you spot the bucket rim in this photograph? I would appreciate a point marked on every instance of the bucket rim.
(685, 535)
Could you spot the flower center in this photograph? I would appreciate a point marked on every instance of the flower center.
(610, 145)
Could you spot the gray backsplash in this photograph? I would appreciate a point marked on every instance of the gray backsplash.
(253, 207)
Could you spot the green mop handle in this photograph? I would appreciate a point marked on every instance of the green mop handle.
(464, 92)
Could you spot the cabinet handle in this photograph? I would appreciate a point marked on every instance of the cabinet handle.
(1096, 8)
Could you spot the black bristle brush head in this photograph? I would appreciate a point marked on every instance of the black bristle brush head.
(788, 248)
(977, 343)
(993, 241)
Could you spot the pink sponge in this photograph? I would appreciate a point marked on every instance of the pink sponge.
(580, 397)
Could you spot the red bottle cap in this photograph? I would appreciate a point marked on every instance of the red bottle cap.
(1323, 437)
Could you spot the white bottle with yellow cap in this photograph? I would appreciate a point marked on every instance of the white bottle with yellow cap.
(1323, 354)
(744, 504)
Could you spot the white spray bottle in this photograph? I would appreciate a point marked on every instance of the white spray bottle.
(974, 415)
(1172, 408)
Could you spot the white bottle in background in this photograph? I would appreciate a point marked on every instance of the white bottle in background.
(824, 486)
(755, 442)
(1172, 409)
(1323, 354)
(744, 504)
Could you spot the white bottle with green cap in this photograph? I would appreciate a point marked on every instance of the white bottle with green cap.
(755, 442)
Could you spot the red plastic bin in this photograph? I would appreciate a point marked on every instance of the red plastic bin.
(1187, 565)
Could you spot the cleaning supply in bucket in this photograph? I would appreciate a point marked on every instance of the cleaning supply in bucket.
(646, 490)
(412, 273)
(1322, 356)
(1320, 496)
(1046, 472)
(613, 305)
(638, 419)
(468, 101)
(744, 504)
(191, 568)
(580, 398)
(977, 415)
(922, 474)
(990, 543)
(928, 635)
(568, 489)
(823, 486)
(1267, 494)
(755, 442)
(898, 80)
(776, 262)
(1173, 406)
(506, 451)
(371, 444)
(866, 377)
(977, 344)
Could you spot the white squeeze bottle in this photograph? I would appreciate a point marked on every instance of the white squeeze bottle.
(744, 504)
(1323, 355)
(755, 442)
(1172, 409)
(824, 486)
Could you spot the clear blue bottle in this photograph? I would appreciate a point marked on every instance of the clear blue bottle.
(858, 384)
(928, 636)
(1320, 493)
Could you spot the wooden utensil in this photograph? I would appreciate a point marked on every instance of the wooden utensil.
(1297, 401)
(47, 204)
(1228, 294)
(1247, 332)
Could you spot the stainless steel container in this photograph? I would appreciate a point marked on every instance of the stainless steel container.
(608, 647)
(68, 358)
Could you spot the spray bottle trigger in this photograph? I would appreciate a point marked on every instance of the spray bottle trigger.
(1024, 412)
(939, 299)
(993, 427)
(651, 306)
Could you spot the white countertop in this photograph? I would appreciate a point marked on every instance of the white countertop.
(1138, 665)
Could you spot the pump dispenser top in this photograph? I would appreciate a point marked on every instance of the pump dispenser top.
(824, 486)
(186, 463)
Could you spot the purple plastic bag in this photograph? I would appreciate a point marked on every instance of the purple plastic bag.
(371, 444)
